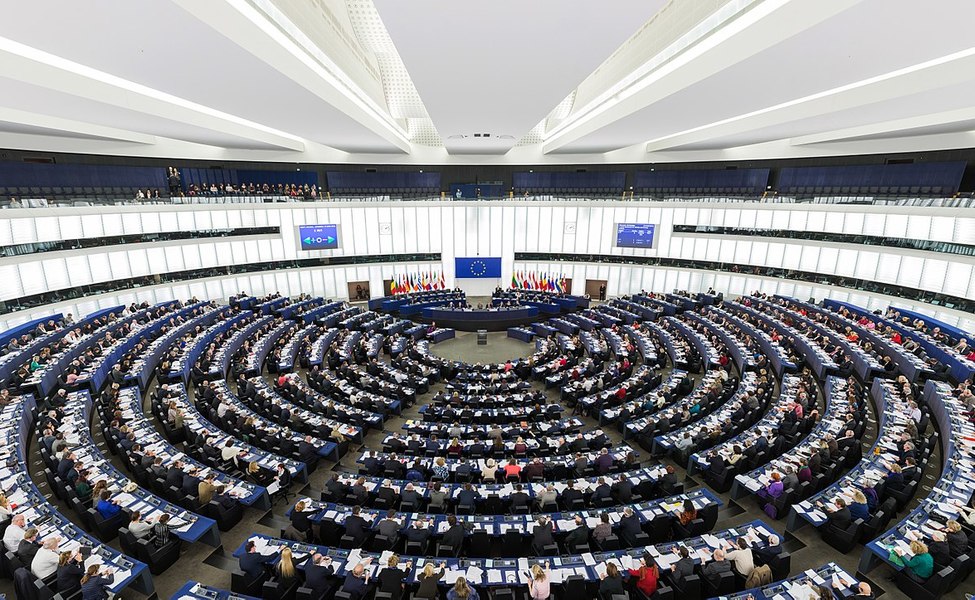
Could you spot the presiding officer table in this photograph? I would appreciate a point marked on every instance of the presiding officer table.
(474, 319)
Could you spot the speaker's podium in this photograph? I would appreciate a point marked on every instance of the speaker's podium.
(482, 337)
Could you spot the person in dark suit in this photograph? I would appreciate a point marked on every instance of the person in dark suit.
(571, 494)
(578, 536)
(409, 495)
(372, 465)
(318, 573)
(359, 491)
(622, 490)
(454, 536)
(668, 481)
(386, 493)
(714, 568)
(542, 535)
(467, 496)
(957, 539)
(602, 491)
(301, 520)
(629, 526)
(252, 562)
(66, 464)
(716, 463)
(861, 591)
(356, 527)
(419, 532)
(389, 527)
(519, 498)
(336, 488)
(684, 567)
(840, 516)
(191, 484)
(356, 582)
(307, 453)
(221, 497)
(895, 479)
(71, 568)
(391, 577)
(771, 549)
(939, 550)
(28, 547)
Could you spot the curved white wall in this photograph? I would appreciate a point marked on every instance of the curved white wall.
(485, 229)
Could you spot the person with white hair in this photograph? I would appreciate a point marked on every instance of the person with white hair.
(765, 554)
(14, 532)
(713, 569)
(45, 562)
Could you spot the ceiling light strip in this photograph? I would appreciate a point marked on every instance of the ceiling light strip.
(278, 26)
(629, 85)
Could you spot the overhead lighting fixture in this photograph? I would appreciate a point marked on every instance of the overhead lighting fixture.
(63, 64)
(274, 23)
(718, 27)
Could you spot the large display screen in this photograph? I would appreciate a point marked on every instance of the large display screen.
(318, 237)
(477, 267)
(635, 235)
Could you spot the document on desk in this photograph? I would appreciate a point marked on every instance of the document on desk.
(475, 575)
(523, 564)
(354, 557)
(710, 540)
(273, 488)
(450, 576)
(120, 576)
(566, 524)
(838, 583)
(588, 559)
(495, 576)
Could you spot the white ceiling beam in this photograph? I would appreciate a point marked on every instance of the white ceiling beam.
(23, 117)
(36, 67)
(758, 29)
(250, 29)
(894, 126)
(934, 74)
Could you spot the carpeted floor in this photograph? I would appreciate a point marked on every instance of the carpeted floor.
(499, 347)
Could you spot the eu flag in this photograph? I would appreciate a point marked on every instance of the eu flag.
(477, 267)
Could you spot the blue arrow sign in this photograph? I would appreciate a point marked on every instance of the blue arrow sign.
(318, 237)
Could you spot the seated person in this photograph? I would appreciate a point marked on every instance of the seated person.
(356, 582)
(391, 577)
(920, 566)
(859, 508)
(252, 562)
(610, 582)
(107, 507)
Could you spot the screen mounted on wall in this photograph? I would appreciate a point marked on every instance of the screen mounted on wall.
(318, 237)
(635, 235)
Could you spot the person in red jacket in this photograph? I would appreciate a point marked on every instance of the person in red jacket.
(647, 575)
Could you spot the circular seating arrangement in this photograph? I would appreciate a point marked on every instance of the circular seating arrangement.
(383, 466)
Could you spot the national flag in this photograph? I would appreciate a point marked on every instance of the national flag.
(443, 284)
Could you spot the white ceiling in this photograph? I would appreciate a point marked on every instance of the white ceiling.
(499, 67)
(551, 81)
